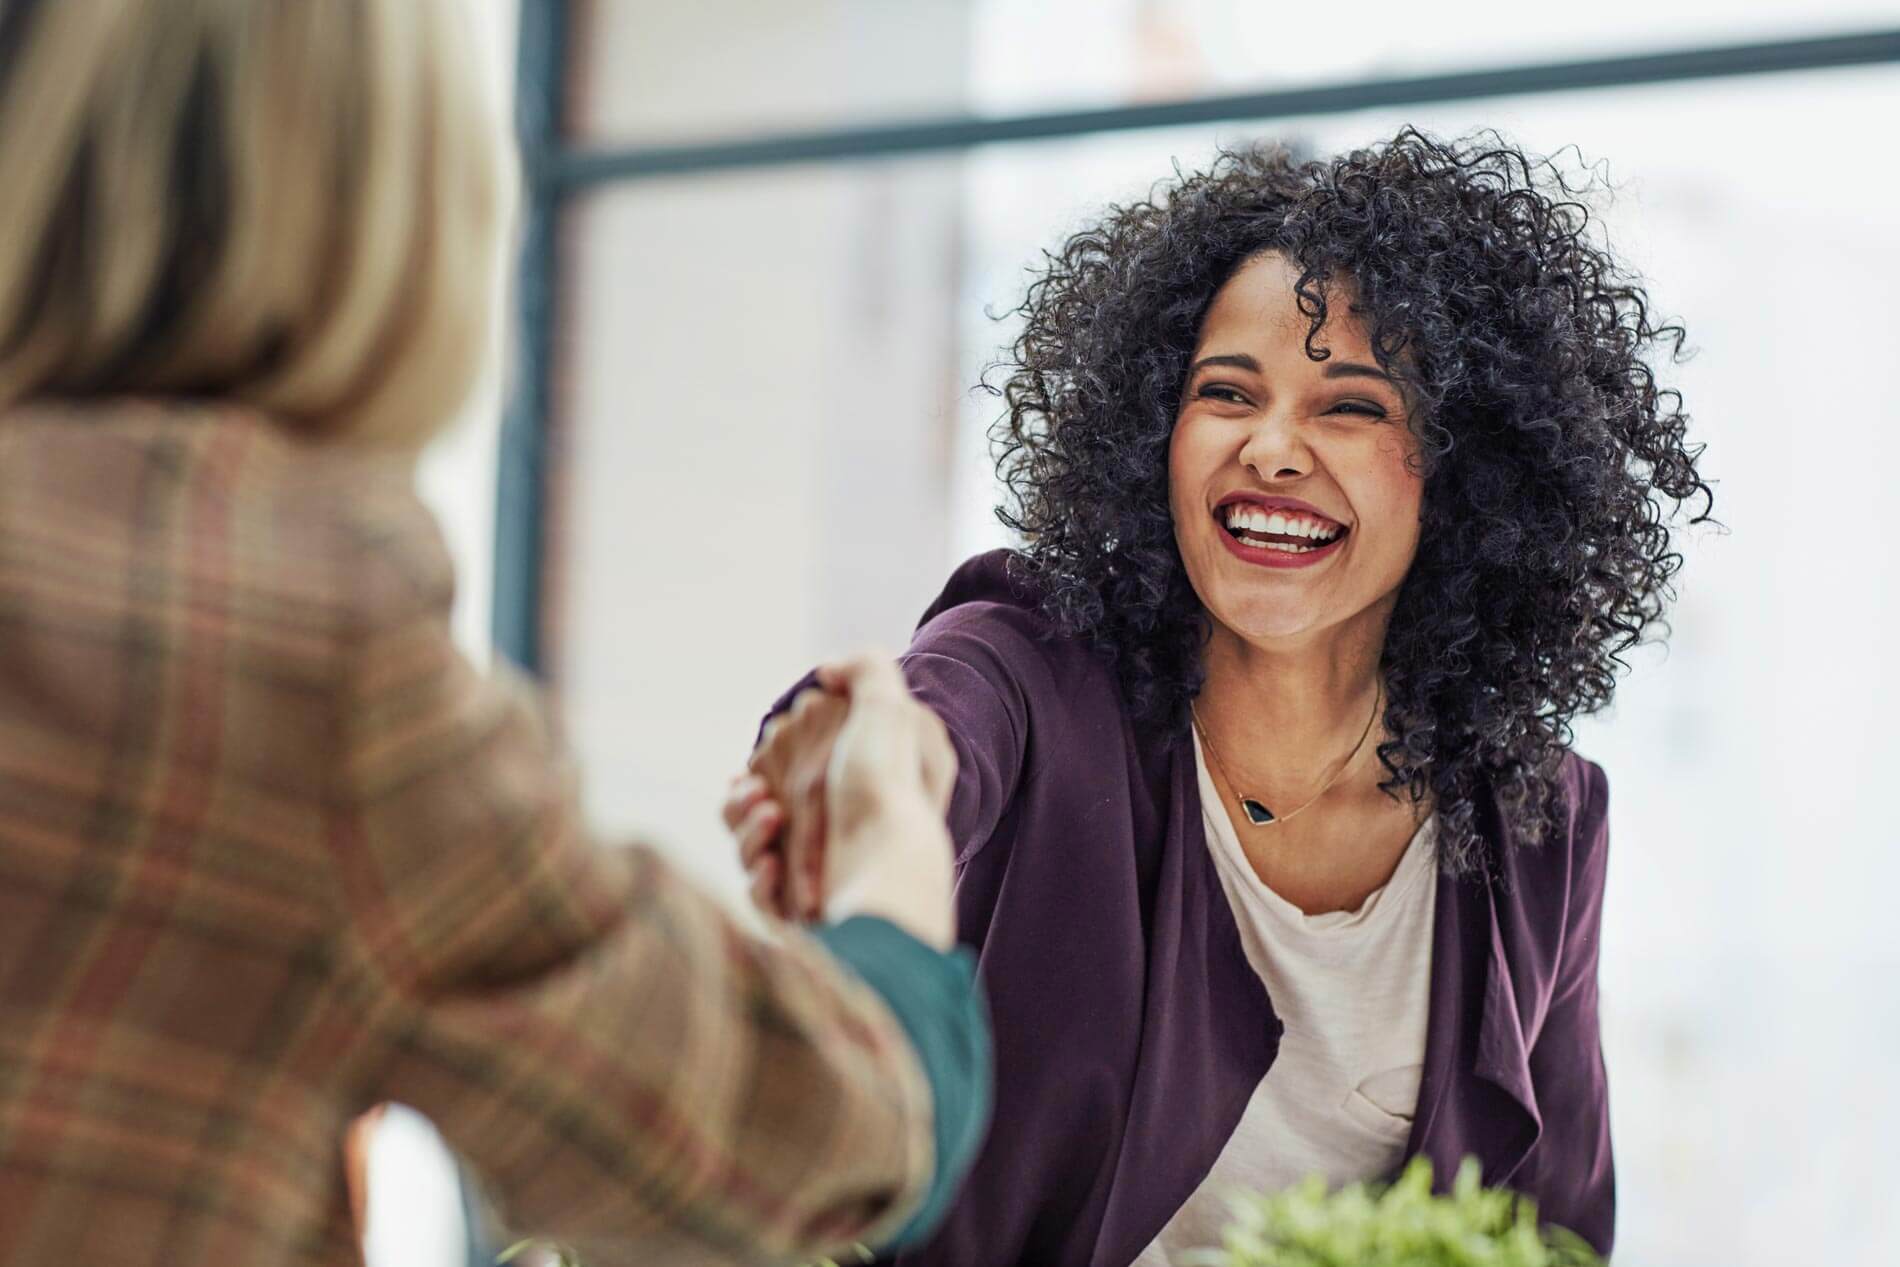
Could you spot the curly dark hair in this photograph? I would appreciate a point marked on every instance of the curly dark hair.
(1553, 462)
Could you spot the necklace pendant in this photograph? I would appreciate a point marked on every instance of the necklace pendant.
(1257, 814)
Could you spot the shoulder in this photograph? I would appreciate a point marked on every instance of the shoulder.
(1586, 795)
(283, 533)
(398, 561)
(1570, 866)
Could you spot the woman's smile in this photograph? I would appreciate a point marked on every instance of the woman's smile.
(1278, 532)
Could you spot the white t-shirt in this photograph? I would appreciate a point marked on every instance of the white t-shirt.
(1353, 988)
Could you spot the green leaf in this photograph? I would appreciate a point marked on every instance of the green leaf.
(563, 1256)
(1398, 1225)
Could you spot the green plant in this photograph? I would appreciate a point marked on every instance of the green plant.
(1360, 1225)
(563, 1257)
(1403, 1225)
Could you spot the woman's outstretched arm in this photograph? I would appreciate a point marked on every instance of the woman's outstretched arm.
(629, 1072)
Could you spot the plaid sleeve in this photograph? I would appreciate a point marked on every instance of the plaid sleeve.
(936, 998)
(628, 1071)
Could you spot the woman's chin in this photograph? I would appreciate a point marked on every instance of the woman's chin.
(1275, 625)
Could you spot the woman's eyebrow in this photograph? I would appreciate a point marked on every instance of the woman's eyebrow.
(1238, 359)
(1355, 369)
(1334, 369)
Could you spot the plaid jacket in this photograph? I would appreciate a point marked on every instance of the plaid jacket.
(272, 852)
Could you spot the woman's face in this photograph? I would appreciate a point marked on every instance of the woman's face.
(1295, 501)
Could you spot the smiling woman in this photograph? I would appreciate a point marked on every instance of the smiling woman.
(1513, 350)
(1343, 484)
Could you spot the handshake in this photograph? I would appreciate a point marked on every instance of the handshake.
(840, 811)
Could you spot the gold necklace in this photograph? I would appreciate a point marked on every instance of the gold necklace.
(1256, 811)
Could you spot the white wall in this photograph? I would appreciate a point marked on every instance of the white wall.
(759, 387)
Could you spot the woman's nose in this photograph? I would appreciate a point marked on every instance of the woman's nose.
(1276, 448)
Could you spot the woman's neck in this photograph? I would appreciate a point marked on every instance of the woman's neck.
(1289, 712)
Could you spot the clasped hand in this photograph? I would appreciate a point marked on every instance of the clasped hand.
(840, 810)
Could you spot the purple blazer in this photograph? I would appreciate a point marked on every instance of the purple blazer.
(1130, 1029)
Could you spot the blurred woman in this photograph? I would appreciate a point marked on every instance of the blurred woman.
(271, 852)
(1343, 483)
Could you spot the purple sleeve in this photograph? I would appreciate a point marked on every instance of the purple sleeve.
(969, 666)
(1567, 1060)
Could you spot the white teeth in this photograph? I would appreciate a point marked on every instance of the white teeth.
(1241, 517)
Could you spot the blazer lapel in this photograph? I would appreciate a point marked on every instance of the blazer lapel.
(1209, 1033)
(1476, 1097)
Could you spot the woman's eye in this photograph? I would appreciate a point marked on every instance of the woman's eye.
(1359, 407)
(1215, 391)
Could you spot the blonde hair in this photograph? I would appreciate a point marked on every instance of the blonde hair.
(294, 205)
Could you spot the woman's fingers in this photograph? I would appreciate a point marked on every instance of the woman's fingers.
(805, 868)
(758, 831)
(815, 880)
(753, 816)
(745, 791)
(798, 888)
(778, 807)
(766, 887)
(805, 832)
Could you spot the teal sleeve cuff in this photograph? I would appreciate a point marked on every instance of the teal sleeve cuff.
(935, 997)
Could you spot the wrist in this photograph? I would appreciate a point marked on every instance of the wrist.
(900, 870)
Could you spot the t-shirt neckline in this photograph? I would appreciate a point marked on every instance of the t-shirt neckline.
(1225, 842)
